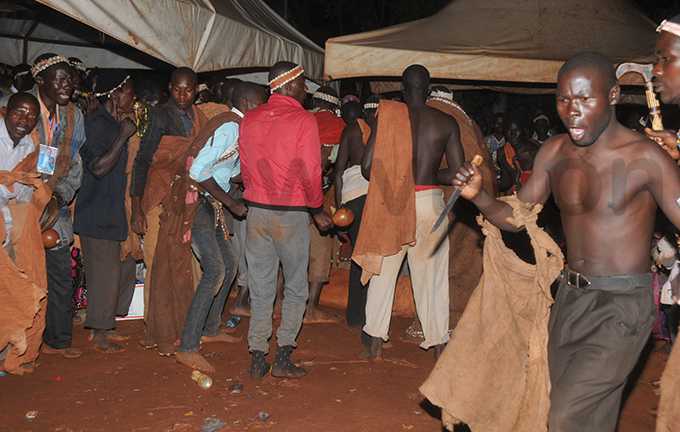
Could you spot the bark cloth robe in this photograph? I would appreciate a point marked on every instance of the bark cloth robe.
(23, 287)
(169, 184)
(493, 374)
(465, 256)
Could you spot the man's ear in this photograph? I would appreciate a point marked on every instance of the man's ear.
(39, 80)
(614, 95)
(3, 112)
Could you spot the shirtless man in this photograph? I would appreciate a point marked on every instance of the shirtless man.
(607, 181)
(433, 134)
(523, 154)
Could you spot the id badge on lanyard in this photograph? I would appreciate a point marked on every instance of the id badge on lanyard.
(47, 159)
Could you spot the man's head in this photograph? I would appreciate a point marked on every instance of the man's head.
(215, 84)
(351, 112)
(21, 116)
(23, 80)
(498, 124)
(114, 89)
(371, 106)
(326, 98)
(416, 84)
(287, 79)
(54, 76)
(514, 129)
(541, 125)
(586, 96)
(183, 87)
(228, 90)
(203, 94)
(667, 68)
(148, 93)
(248, 95)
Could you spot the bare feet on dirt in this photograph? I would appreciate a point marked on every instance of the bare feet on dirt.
(69, 353)
(195, 361)
(100, 342)
(222, 337)
(315, 316)
(374, 353)
(111, 335)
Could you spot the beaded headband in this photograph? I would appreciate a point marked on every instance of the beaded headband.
(441, 94)
(44, 64)
(113, 89)
(670, 27)
(326, 97)
(541, 117)
(21, 74)
(285, 78)
(202, 87)
(79, 66)
(371, 105)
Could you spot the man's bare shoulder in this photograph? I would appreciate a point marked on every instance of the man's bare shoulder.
(635, 144)
(351, 129)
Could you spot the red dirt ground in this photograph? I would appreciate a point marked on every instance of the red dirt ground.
(137, 390)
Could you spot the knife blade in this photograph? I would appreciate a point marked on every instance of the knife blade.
(454, 196)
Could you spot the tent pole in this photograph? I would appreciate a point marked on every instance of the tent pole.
(27, 36)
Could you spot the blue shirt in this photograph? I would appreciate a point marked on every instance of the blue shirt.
(219, 157)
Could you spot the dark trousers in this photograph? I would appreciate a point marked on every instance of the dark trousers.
(110, 282)
(219, 263)
(356, 298)
(596, 337)
(59, 312)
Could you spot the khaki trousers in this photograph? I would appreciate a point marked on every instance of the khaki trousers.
(320, 251)
(428, 261)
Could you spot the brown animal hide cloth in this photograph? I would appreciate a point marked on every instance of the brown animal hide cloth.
(23, 287)
(493, 374)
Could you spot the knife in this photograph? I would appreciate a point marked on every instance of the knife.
(454, 196)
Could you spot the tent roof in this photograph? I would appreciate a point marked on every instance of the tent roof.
(497, 40)
(205, 35)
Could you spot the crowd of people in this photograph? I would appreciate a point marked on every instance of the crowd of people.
(228, 183)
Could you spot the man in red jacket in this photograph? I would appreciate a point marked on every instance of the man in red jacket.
(281, 171)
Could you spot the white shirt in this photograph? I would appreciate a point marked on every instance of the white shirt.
(10, 157)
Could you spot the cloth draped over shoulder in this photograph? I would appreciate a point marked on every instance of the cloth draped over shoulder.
(493, 374)
(212, 109)
(131, 245)
(330, 127)
(365, 130)
(667, 418)
(172, 278)
(389, 218)
(23, 287)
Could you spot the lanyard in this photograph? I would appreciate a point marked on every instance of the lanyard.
(49, 132)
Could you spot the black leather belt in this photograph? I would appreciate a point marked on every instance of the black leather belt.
(607, 283)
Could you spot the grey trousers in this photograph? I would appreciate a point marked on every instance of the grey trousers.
(596, 337)
(275, 237)
(110, 282)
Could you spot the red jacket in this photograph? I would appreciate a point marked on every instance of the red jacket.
(281, 157)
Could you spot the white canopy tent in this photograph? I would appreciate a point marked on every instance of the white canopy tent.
(523, 41)
(206, 35)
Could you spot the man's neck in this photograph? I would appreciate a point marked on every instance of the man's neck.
(498, 137)
(111, 108)
(49, 104)
(187, 111)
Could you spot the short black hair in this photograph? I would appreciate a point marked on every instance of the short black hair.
(184, 71)
(517, 118)
(216, 79)
(228, 89)
(279, 68)
(18, 97)
(351, 111)
(596, 61)
(416, 76)
(248, 91)
(148, 90)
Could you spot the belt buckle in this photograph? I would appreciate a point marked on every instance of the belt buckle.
(575, 279)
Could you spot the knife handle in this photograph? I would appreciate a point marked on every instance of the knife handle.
(477, 160)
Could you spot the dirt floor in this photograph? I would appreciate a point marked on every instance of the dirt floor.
(138, 390)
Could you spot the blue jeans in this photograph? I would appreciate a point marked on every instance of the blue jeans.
(275, 236)
(219, 263)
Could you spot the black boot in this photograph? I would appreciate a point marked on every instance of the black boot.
(258, 367)
(283, 367)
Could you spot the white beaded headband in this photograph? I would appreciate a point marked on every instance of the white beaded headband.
(541, 117)
(326, 97)
(44, 64)
(113, 89)
(441, 94)
(21, 73)
(79, 66)
(670, 27)
(371, 105)
(285, 78)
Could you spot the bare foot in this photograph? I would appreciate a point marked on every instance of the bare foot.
(194, 360)
(240, 310)
(315, 316)
(103, 345)
(69, 353)
(387, 345)
(222, 337)
(374, 353)
(111, 335)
